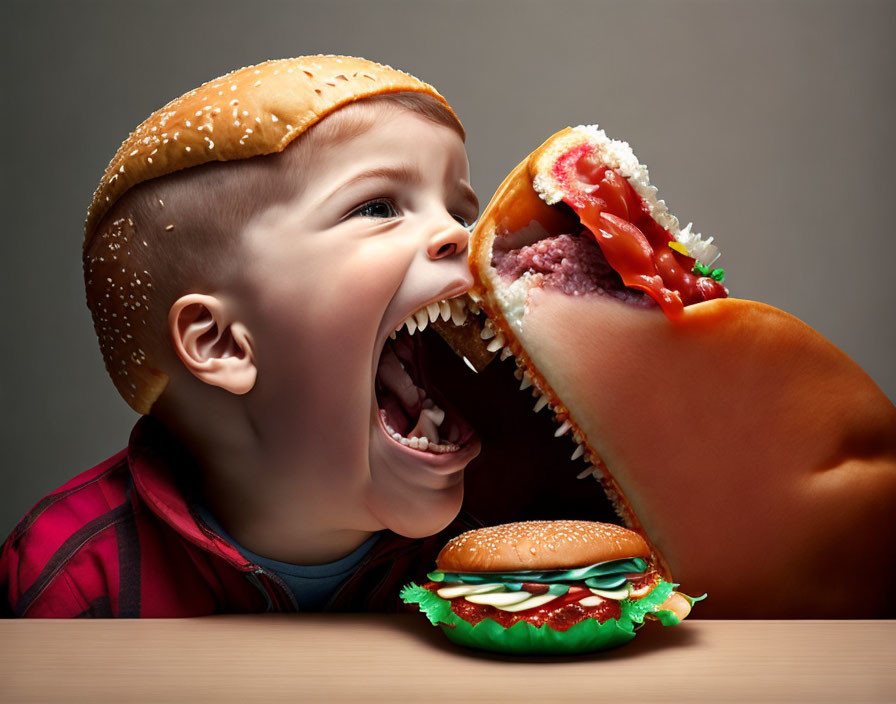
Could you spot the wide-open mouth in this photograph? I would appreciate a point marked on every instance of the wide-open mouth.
(530, 467)
(415, 412)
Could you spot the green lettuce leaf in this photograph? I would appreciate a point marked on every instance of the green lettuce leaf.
(586, 636)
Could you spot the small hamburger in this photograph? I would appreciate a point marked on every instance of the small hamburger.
(553, 587)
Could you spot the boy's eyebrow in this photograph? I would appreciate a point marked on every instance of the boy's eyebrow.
(469, 195)
(404, 174)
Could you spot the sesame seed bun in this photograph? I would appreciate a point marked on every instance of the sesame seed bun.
(539, 545)
(249, 112)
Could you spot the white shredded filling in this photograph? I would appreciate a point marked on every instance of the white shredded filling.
(512, 298)
(618, 155)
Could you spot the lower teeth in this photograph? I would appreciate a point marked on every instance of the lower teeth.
(419, 443)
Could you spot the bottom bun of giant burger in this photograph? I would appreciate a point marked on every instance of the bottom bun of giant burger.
(550, 587)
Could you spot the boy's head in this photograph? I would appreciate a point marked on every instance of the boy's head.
(250, 112)
(285, 273)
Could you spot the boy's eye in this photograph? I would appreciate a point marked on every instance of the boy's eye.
(376, 209)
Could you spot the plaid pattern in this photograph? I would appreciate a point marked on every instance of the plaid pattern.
(121, 540)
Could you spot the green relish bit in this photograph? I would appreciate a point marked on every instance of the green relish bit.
(718, 275)
(701, 268)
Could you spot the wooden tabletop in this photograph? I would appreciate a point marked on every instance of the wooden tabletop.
(382, 658)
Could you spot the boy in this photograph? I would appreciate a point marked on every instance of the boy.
(244, 307)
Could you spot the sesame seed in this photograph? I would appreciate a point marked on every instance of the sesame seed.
(168, 228)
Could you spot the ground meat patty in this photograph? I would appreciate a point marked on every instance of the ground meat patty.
(574, 264)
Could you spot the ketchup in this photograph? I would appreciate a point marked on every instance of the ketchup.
(632, 242)
(560, 614)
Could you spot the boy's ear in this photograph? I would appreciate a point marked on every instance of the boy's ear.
(214, 348)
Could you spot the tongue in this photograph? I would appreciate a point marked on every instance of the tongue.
(412, 399)
(427, 424)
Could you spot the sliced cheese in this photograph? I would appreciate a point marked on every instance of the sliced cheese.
(499, 599)
(592, 601)
(535, 601)
(456, 590)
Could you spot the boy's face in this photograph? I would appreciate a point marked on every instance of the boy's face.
(377, 232)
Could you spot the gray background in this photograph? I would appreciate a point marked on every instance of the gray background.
(769, 124)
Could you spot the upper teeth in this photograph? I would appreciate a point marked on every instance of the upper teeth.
(453, 309)
(456, 310)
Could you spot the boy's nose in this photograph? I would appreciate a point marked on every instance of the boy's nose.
(448, 242)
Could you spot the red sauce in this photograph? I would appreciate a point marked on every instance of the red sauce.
(632, 242)
(560, 614)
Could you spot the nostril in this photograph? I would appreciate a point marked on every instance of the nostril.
(446, 250)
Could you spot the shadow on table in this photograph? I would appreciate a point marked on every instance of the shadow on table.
(653, 637)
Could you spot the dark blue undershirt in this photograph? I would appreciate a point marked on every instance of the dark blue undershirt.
(311, 585)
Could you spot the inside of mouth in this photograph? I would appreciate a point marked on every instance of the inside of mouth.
(523, 472)
(412, 411)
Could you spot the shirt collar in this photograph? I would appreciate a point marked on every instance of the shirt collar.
(163, 473)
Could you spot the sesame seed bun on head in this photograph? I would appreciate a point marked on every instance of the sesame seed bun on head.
(253, 111)
(540, 545)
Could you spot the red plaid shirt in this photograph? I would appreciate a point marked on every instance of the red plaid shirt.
(121, 540)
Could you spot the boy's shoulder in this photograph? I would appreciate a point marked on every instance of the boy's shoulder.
(49, 561)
